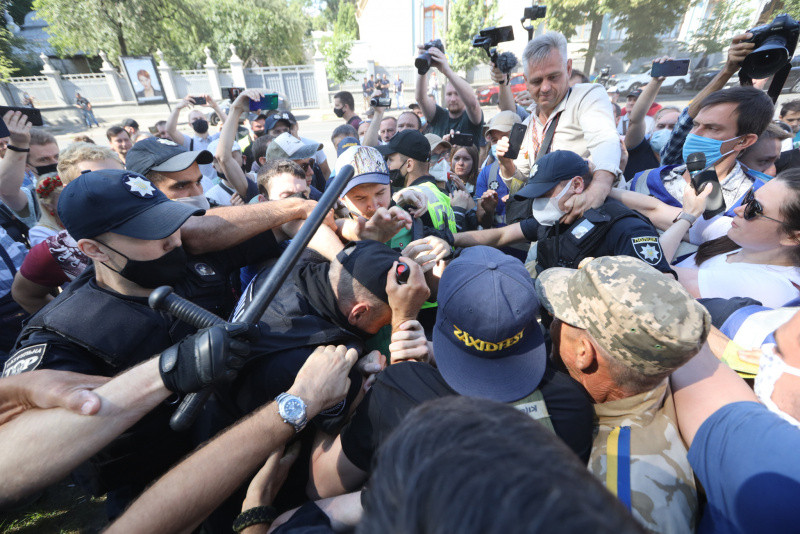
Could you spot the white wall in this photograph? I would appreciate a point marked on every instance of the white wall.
(387, 32)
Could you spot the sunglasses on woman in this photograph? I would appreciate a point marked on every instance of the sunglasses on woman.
(753, 208)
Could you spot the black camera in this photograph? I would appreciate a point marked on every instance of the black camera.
(774, 47)
(489, 38)
(535, 12)
(380, 101)
(423, 61)
(529, 15)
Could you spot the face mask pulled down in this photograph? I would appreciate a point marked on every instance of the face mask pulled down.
(198, 201)
(546, 210)
(771, 367)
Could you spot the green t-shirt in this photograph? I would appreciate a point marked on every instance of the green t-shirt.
(442, 124)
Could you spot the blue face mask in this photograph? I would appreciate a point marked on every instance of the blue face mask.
(758, 175)
(423, 121)
(660, 138)
(709, 147)
(494, 151)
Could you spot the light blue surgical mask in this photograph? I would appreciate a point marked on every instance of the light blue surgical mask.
(758, 175)
(494, 151)
(710, 147)
(660, 138)
(423, 121)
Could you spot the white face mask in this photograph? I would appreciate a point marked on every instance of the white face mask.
(200, 201)
(440, 170)
(546, 210)
(771, 367)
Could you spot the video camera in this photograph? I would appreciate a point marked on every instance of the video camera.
(423, 61)
(774, 46)
(532, 13)
(489, 38)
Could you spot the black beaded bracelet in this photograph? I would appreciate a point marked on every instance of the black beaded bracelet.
(13, 148)
(255, 516)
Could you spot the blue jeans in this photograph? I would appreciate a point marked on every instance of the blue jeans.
(88, 116)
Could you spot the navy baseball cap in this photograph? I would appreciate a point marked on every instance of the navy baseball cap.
(550, 170)
(369, 262)
(486, 340)
(346, 143)
(122, 202)
(275, 118)
(409, 143)
(163, 155)
(368, 164)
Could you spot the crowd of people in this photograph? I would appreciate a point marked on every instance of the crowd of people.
(576, 334)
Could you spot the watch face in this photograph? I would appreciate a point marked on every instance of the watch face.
(293, 409)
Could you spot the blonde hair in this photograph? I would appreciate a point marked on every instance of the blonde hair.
(75, 153)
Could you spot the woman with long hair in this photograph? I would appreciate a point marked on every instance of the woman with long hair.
(760, 255)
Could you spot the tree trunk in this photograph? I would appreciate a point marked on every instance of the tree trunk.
(123, 47)
(594, 35)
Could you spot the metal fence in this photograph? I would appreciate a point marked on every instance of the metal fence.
(296, 83)
(93, 87)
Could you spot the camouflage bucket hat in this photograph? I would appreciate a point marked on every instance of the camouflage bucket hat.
(644, 319)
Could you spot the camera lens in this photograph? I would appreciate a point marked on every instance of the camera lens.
(767, 58)
(423, 63)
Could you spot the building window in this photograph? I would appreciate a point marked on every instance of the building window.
(433, 19)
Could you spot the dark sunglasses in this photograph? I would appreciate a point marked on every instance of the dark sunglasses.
(753, 208)
(305, 166)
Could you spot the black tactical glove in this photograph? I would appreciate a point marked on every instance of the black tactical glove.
(211, 356)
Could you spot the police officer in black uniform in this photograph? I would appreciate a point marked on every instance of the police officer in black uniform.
(610, 230)
(102, 324)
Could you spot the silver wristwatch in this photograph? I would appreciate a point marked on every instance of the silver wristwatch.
(292, 410)
(686, 217)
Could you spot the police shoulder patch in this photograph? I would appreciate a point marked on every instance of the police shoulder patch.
(25, 359)
(647, 248)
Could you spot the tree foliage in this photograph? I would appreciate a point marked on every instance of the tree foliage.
(264, 31)
(336, 48)
(642, 20)
(727, 19)
(466, 19)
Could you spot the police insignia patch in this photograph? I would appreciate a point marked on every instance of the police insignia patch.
(493, 185)
(26, 359)
(647, 248)
(139, 186)
(204, 269)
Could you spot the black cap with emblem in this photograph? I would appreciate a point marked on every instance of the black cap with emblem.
(163, 155)
(122, 202)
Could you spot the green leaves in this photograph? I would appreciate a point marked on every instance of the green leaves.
(264, 31)
(336, 48)
(467, 18)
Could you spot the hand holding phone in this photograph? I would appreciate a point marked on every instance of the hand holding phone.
(268, 102)
(672, 67)
(34, 115)
(515, 138)
(460, 139)
(200, 101)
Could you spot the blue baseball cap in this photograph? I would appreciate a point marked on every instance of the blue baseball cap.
(369, 166)
(550, 170)
(346, 143)
(487, 341)
(122, 202)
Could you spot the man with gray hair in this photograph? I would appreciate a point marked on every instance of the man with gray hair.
(620, 329)
(579, 119)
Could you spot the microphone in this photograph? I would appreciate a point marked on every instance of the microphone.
(695, 163)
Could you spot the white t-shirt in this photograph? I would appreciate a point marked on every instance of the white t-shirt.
(39, 233)
(219, 195)
(769, 284)
(705, 230)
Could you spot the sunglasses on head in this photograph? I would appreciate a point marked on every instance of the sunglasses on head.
(753, 208)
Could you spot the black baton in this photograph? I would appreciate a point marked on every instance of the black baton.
(164, 299)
